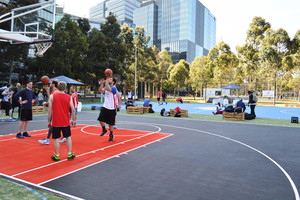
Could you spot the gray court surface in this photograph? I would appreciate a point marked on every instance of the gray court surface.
(201, 160)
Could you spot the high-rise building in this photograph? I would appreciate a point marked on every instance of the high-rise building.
(186, 28)
(123, 9)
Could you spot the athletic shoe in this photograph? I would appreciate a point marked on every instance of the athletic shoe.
(55, 158)
(71, 156)
(19, 136)
(63, 140)
(25, 134)
(103, 133)
(111, 138)
(44, 141)
(115, 127)
(11, 119)
(74, 123)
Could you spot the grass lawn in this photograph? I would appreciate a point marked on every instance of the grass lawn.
(10, 190)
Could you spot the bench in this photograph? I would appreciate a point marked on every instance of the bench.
(135, 110)
(146, 109)
(233, 116)
(38, 109)
(184, 113)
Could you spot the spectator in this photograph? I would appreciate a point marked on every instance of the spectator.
(27, 99)
(6, 103)
(164, 97)
(40, 98)
(158, 97)
(179, 100)
(219, 109)
(241, 104)
(252, 103)
(129, 95)
(15, 101)
(178, 112)
(146, 102)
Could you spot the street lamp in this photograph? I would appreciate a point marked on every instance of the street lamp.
(135, 69)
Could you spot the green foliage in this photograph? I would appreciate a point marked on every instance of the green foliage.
(67, 54)
(84, 25)
(179, 74)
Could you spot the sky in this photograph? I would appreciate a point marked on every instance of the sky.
(233, 16)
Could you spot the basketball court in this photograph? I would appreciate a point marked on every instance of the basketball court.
(160, 158)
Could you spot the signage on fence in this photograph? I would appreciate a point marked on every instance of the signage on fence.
(211, 92)
(268, 93)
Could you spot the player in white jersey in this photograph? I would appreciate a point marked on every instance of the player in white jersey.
(108, 112)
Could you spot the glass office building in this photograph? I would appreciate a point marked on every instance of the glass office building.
(186, 28)
(123, 9)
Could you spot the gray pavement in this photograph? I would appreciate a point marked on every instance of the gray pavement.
(202, 160)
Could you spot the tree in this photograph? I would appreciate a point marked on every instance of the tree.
(115, 48)
(165, 61)
(248, 54)
(199, 73)
(67, 54)
(222, 61)
(96, 59)
(179, 74)
(84, 25)
(275, 52)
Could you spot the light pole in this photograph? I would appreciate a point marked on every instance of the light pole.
(135, 69)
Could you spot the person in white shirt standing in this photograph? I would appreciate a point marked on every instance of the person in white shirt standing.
(108, 112)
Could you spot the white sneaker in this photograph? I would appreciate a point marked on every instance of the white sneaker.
(44, 141)
(63, 140)
(115, 127)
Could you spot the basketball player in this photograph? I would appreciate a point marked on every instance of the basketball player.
(53, 87)
(108, 112)
(59, 107)
(74, 97)
(26, 101)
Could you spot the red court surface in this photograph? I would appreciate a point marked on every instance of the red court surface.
(29, 160)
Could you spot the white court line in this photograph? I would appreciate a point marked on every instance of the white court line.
(32, 134)
(93, 151)
(295, 190)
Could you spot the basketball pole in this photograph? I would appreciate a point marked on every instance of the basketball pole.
(135, 69)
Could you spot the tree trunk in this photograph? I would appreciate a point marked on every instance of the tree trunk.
(11, 71)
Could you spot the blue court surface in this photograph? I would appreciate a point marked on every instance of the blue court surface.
(207, 109)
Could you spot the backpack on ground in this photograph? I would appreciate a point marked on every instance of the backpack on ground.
(254, 97)
(238, 110)
(248, 116)
(229, 109)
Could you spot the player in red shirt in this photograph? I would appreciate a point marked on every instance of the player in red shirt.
(59, 107)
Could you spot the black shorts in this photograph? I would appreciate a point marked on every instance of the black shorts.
(26, 114)
(5, 105)
(107, 116)
(65, 130)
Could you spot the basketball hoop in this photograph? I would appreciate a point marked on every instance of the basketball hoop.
(41, 48)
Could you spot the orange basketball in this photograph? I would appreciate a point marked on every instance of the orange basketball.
(45, 80)
(108, 72)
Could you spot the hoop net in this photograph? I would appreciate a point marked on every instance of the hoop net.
(41, 48)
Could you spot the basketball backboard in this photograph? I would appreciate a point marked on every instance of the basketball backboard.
(30, 24)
